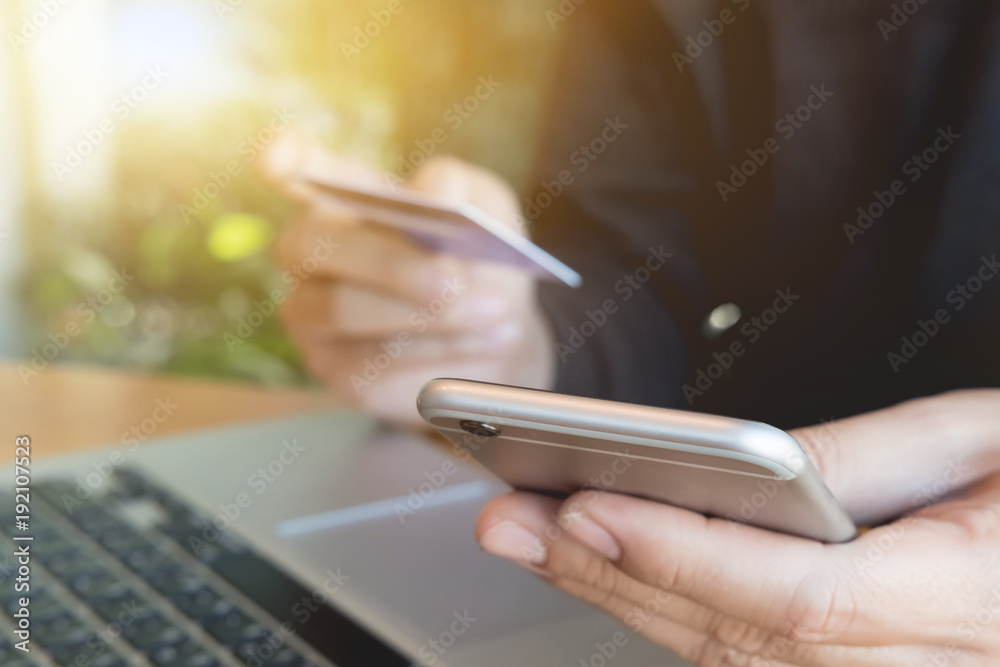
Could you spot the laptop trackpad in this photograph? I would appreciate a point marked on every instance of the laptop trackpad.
(410, 561)
(408, 548)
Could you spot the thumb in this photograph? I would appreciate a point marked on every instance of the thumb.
(294, 157)
(882, 464)
(783, 584)
(455, 181)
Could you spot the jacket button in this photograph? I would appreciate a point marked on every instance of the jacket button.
(720, 320)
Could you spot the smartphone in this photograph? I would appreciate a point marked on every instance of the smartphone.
(556, 444)
(458, 229)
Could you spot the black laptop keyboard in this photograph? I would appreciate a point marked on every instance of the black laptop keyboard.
(129, 575)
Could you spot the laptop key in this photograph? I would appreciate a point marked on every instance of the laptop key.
(186, 654)
(71, 565)
(176, 582)
(126, 605)
(152, 632)
(233, 628)
(202, 604)
(60, 628)
(121, 541)
(91, 655)
(109, 659)
(81, 651)
(149, 559)
(95, 585)
(263, 653)
(56, 552)
(48, 547)
(19, 661)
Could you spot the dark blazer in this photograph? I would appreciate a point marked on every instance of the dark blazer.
(830, 168)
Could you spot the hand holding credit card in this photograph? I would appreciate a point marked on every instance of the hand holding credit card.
(460, 229)
(419, 286)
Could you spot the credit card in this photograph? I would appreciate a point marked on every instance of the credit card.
(457, 229)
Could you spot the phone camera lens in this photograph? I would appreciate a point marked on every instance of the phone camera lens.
(479, 428)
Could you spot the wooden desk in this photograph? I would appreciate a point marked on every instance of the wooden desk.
(71, 408)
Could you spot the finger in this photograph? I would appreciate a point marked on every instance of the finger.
(361, 254)
(948, 441)
(789, 586)
(580, 571)
(784, 585)
(326, 310)
(371, 359)
(587, 574)
(665, 616)
(389, 392)
(452, 180)
(294, 156)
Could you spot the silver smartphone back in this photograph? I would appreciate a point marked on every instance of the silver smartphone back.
(556, 444)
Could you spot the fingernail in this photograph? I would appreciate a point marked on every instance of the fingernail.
(513, 542)
(585, 530)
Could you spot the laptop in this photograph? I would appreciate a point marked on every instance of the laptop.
(329, 539)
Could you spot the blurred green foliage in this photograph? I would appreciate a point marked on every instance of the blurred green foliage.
(198, 240)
